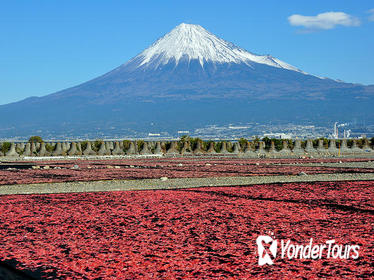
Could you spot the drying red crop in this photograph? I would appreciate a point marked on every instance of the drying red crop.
(198, 233)
(61, 171)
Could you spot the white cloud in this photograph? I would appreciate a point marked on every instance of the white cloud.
(371, 17)
(327, 20)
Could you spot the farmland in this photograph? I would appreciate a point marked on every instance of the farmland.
(184, 230)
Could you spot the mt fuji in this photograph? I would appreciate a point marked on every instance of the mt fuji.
(193, 42)
(187, 78)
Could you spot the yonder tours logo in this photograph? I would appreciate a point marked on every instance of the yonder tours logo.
(267, 248)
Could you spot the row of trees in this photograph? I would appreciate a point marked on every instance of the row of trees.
(278, 143)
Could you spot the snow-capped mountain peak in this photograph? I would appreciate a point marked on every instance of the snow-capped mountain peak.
(191, 41)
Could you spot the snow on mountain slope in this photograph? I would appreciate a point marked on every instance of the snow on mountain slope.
(192, 41)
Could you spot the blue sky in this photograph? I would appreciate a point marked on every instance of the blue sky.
(47, 46)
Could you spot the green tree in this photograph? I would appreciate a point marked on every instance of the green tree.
(194, 141)
(205, 145)
(84, 145)
(140, 145)
(278, 143)
(290, 143)
(243, 143)
(256, 142)
(361, 142)
(229, 146)
(97, 144)
(267, 141)
(126, 145)
(5, 147)
(315, 143)
(183, 139)
(166, 146)
(218, 146)
(325, 142)
(49, 147)
(35, 139)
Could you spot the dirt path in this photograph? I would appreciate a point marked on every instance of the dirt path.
(176, 183)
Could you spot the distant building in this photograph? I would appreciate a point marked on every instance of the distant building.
(278, 135)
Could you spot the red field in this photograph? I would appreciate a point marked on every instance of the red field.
(61, 171)
(190, 234)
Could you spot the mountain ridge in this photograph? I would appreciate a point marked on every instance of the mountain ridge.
(177, 78)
